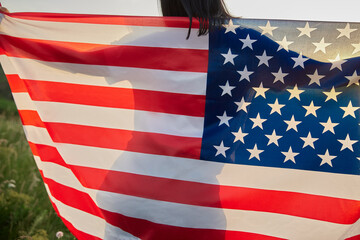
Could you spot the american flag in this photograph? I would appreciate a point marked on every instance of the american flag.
(251, 132)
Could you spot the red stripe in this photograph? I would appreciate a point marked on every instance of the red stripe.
(174, 59)
(133, 141)
(147, 230)
(153, 101)
(31, 117)
(142, 228)
(50, 154)
(82, 201)
(33, 149)
(17, 85)
(323, 208)
(79, 234)
(173, 22)
(336, 210)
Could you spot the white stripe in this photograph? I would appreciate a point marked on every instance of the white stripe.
(38, 135)
(7, 65)
(81, 220)
(89, 223)
(354, 230)
(59, 174)
(64, 176)
(125, 119)
(310, 182)
(38, 162)
(102, 33)
(109, 76)
(115, 118)
(23, 101)
(189, 216)
(182, 215)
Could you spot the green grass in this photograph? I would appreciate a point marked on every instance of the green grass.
(25, 208)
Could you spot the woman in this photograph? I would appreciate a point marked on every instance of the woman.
(210, 13)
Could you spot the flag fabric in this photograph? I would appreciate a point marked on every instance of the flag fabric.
(250, 132)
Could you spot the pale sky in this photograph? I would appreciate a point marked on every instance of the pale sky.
(328, 10)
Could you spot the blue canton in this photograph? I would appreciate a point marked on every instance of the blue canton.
(284, 95)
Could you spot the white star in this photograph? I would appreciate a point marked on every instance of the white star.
(231, 27)
(329, 126)
(245, 74)
(224, 119)
(227, 89)
(221, 149)
(290, 155)
(260, 91)
(309, 141)
(347, 143)
(279, 76)
(349, 110)
(326, 158)
(292, 124)
(255, 152)
(332, 95)
(357, 47)
(337, 62)
(321, 46)
(345, 31)
(242, 105)
(257, 121)
(273, 138)
(311, 109)
(299, 61)
(276, 107)
(239, 136)
(247, 42)
(284, 44)
(267, 29)
(229, 57)
(354, 79)
(315, 78)
(306, 30)
(264, 59)
(295, 92)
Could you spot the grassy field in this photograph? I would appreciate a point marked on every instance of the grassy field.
(25, 209)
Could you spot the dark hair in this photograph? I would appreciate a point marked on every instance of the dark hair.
(210, 13)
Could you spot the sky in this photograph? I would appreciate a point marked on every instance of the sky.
(323, 10)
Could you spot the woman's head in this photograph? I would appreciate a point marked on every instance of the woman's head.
(210, 13)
